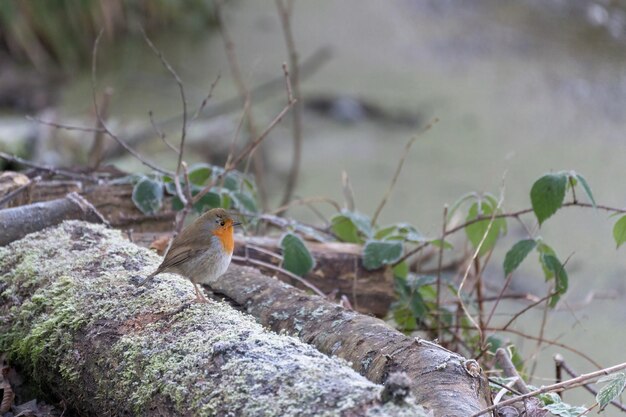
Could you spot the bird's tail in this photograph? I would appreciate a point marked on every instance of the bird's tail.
(148, 278)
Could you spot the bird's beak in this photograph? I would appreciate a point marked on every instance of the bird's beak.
(236, 224)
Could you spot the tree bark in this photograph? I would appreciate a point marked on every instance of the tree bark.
(442, 380)
(72, 317)
(17, 222)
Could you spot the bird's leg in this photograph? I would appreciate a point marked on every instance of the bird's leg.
(199, 297)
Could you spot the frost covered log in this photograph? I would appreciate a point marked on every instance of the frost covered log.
(441, 380)
(72, 318)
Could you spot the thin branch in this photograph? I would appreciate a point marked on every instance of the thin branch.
(161, 134)
(183, 133)
(306, 201)
(207, 98)
(47, 168)
(530, 210)
(282, 271)
(104, 126)
(250, 147)
(555, 387)
(244, 93)
(285, 14)
(407, 148)
(439, 264)
(66, 126)
(560, 362)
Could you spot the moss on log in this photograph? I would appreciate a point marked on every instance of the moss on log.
(73, 319)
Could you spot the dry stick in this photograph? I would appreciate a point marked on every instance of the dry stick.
(528, 307)
(348, 194)
(502, 357)
(244, 92)
(469, 267)
(106, 129)
(161, 134)
(306, 201)
(96, 152)
(407, 148)
(560, 364)
(282, 271)
(47, 168)
(19, 190)
(285, 13)
(509, 278)
(183, 134)
(66, 126)
(439, 265)
(207, 98)
(560, 386)
(530, 210)
(250, 147)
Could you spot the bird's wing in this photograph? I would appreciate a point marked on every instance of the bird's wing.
(179, 255)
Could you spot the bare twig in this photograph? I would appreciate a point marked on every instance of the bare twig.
(282, 271)
(407, 148)
(305, 201)
(555, 387)
(503, 359)
(47, 168)
(101, 120)
(66, 126)
(561, 364)
(206, 99)
(183, 134)
(285, 12)
(348, 194)
(96, 153)
(244, 93)
(161, 134)
(250, 147)
(439, 264)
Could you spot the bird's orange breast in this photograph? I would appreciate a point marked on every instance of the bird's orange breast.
(226, 237)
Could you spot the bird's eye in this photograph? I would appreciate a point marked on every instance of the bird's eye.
(222, 223)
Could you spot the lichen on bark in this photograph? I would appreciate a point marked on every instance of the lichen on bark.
(73, 318)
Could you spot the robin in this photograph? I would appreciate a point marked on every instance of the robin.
(202, 251)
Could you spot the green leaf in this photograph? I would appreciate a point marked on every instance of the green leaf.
(400, 231)
(476, 231)
(351, 226)
(516, 255)
(586, 187)
(377, 253)
(565, 410)
(208, 201)
(619, 231)
(437, 243)
(557, 269)
(245, 202)
(613, 389)
(459, 202)
(199, 174)
(296, 256)
(401, 270)
(543, 248)
(148, 196)
(547, 194)
(310, 232)
(345, 230)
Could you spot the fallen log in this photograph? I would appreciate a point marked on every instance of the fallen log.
(72, 318)
(17, 222)
(442, 381)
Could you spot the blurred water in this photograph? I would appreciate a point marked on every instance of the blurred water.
(521, 87)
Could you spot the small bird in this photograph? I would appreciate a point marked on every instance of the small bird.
(202, 251)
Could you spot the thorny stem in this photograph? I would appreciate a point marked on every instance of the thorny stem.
(555, 387)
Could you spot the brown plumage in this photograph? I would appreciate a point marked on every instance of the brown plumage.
(202, 251)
